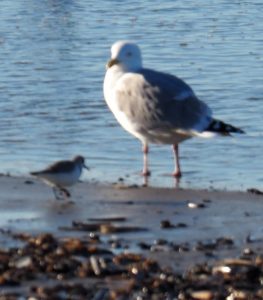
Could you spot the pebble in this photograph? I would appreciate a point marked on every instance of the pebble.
(202, 295)
(196, 205)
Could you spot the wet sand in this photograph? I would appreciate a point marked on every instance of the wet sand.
(177, 228)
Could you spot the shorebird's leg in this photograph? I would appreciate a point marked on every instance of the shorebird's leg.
(57, 193)
(65, 192)
(145, 171)
(177, 170)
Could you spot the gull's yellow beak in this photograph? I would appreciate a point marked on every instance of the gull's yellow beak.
(111, 63)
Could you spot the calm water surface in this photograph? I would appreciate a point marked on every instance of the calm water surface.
(53, 56)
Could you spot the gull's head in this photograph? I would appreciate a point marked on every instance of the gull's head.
(126, 55)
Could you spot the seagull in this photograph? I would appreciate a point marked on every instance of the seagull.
(156, 107)
(61, 174)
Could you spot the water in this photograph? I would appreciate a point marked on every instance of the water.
(53, 56)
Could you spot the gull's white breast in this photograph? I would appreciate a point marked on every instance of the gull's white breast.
(111, 80)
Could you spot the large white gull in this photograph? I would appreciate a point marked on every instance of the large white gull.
(156, 107)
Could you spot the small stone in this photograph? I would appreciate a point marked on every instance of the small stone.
(23, 262)
(29, 182)
(107, 228)
(202, 295)
(166, 224)
(95, 265)
(248, 251)
(196, 205)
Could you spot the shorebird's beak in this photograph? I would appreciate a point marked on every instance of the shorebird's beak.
(111, 63)
(86, 167)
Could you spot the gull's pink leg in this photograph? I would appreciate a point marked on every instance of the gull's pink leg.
(177, 171)
(145, 171)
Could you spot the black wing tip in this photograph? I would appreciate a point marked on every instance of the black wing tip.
(232, 129)
(224, 128)
(241, 131)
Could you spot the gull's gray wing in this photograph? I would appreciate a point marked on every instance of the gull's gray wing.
(158, 100)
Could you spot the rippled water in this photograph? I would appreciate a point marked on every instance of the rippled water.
(53, 56)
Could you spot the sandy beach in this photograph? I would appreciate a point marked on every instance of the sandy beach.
(176, 228)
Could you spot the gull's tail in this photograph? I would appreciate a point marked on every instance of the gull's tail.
(219, 127)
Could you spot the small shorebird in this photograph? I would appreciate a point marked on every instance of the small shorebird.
(62, 174)
(156, 107)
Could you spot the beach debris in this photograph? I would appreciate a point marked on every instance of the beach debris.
(23, 262)
(183, 247)
(103, 227)
(108, 219)
(120, 185)
(28, 181)
(216, 244)
(95, 265)
(83, 268)
(161, 248)
(166, 224)
(144, 246)
(248, 252)
(207, 200)
(109, 228)
(102, 294)
(69, 291)
(196, 205)
(202, 295)
(180, 225)
(161, 245)
(238, 269)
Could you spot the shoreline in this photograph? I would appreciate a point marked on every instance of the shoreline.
(33, 196)
(177, 228)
